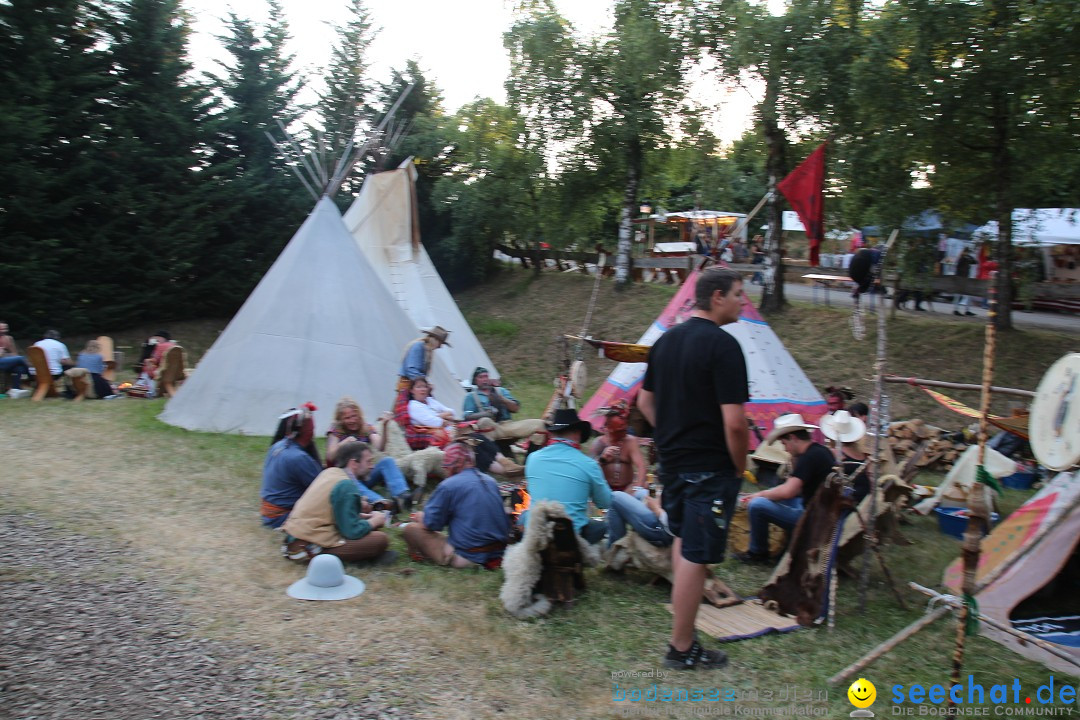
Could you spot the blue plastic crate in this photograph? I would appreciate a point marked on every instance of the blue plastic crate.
(1019, 480)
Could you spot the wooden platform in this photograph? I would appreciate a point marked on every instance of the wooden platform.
(740, 622)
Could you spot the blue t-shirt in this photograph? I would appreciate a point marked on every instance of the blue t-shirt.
(287, 472)
(412, 365)
(471, 505)
(562, 472)
(92, 362)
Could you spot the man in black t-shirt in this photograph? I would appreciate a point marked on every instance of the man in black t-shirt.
(783, 505)
(693, 394)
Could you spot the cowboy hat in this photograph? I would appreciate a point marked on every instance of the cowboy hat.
(326, 580)
(439, 333)
(771, 453)
(567, 419)
(842, 426)
(787, 424)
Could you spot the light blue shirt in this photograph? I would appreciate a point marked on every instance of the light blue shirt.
(562, 472)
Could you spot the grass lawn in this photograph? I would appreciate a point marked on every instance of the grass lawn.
(436, 642)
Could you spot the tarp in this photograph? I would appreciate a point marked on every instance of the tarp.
(777, 383)
(383, 222)
(319, 325)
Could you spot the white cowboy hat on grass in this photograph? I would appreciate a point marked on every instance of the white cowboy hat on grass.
(787, 424)
(326, 580)
(842, 426)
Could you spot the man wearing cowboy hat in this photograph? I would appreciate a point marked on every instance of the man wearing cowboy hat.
(845, 428)
(417, 360)
(783, 505)
(693, 394)
(562, 472)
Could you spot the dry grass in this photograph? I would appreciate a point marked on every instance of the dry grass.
(437, 641)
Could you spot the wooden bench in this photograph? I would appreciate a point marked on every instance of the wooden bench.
(172, 371)
(45, 386)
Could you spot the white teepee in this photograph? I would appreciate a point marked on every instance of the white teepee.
(319, 325)
(383, 221)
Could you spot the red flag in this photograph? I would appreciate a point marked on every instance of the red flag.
(803, 188)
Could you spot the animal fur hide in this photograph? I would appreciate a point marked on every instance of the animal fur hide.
(522, 565)
(415, 465)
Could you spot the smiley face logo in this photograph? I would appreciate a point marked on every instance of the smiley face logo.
(862, 693)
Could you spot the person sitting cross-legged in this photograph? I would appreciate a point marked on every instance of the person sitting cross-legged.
(783, 505)
(333, 517)
(562, 472)
(468, 503)
(490, 400)
(348, 427)
(291, 465)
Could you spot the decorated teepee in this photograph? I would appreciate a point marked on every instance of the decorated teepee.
(777, 383)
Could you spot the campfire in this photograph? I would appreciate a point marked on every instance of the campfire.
(519, 502)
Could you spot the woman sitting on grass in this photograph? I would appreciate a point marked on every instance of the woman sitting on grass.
(433, 422)
(349, 427)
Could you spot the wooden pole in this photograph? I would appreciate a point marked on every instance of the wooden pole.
(1038, 642)
(881, 427)
(957, 386)
(978, 505)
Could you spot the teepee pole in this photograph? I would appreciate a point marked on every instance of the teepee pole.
(284, 150)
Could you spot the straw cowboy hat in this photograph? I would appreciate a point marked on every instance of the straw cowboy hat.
(787, 424)
(842, 426)
(439, 333)
(326, 580)
(771, 453)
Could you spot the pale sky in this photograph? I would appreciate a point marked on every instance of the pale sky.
(457, 42)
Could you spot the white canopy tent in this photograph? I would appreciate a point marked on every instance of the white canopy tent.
(1055, 232)
(1041, 227)
(383, 221)
(318, 326)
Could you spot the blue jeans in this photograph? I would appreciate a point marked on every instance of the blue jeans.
(627, 509)
(762, 511)
(387, 473)
(17, 366)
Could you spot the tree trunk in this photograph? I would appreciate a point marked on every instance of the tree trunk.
(626, 227)
(772, 296)
(1002, 187)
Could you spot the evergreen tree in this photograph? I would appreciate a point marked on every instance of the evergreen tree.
(52, 75)
(342, 106)
(157, 191)
(256, 199)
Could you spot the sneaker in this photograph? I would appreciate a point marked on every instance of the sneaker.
(752, 558)
(695, 657)
(15, 394)
(955, 312)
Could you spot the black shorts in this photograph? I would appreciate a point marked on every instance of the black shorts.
(688, 500)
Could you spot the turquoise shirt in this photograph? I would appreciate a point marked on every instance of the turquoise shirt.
(564, 473)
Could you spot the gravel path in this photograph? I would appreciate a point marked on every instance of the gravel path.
(84, 637)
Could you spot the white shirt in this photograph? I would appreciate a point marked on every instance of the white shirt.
(55, 351)
(427, 415)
